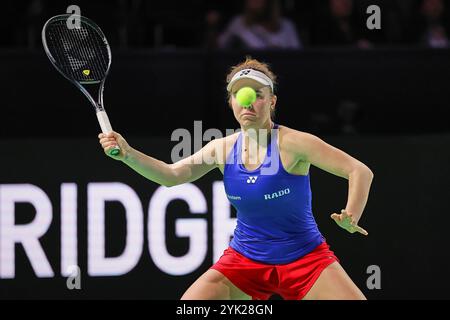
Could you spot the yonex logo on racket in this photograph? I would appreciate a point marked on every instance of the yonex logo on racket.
(252, 179)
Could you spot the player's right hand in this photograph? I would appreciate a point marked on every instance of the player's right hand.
(111, 140)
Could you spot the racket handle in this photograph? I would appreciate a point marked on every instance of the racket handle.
(105, 125)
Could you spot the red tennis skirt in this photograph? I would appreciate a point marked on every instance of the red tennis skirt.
(291, 281)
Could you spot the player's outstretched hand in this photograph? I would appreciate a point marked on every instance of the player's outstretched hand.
(111, 140)
(347, 222)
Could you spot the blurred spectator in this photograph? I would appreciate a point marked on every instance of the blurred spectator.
(433, 31)
(213, 19)
(302, 13)
(394, 16)
(260, 26)
(341, 26)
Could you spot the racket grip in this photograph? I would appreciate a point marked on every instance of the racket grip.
(105, 125)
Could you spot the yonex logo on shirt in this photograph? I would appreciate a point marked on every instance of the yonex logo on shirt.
(277, 194)
(252, 179)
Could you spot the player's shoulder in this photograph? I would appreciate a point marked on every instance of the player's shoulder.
(231, 138)
(290, 134)
(223, 144)
(293, 139)
(221, 147)
(227, 142)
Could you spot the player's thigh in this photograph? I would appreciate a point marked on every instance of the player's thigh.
(334, 284)
(213, 285)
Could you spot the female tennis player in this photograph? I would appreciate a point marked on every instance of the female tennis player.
(277, 247)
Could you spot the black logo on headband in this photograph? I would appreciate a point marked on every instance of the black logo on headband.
(244, 73)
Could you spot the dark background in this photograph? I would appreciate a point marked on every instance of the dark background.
(406, 217)
(385, 104)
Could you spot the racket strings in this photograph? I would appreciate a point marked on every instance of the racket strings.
(68, 45)
(81, 52)
(77, 37)
(97, 41)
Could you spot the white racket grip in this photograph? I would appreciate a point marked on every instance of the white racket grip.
(104, 121)
(106, 128)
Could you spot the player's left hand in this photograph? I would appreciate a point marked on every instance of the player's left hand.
(346, 221)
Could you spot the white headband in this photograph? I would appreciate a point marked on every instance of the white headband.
(250, 74)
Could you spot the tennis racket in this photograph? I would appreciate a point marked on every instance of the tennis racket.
(81, 54)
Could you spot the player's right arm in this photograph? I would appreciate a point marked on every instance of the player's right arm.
(186, 170)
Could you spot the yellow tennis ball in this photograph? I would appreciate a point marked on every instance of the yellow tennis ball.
(246, 96)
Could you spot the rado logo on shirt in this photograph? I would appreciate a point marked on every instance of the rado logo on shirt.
(277, 194)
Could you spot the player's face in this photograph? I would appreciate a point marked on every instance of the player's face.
(259, 113)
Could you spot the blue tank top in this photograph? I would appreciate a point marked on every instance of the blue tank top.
(275, 224)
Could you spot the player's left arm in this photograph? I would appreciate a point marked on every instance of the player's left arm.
(312, 149)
